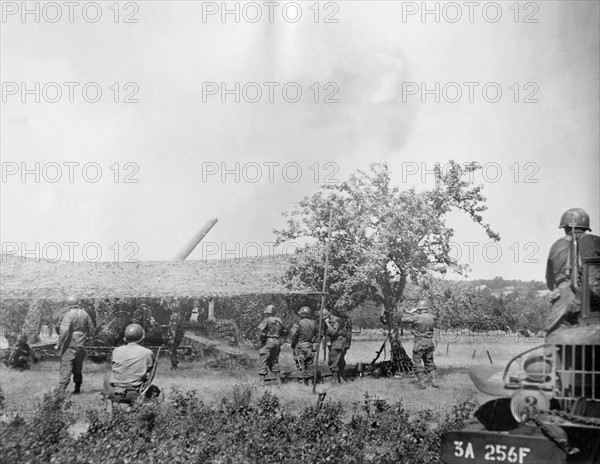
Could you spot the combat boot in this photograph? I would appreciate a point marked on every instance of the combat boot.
(433, 375)
(421, 380)
(77, 389)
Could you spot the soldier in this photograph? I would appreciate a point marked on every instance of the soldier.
(175, 335)
(575, 222)
(346, 331)
(423, 323)
(271, 331)
(337, 333)
(132, 369)
(75, 326)
(303, 336)
(20, 355)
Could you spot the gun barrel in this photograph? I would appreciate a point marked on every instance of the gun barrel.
(195, 240)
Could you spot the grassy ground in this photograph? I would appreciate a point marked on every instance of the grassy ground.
(453, 357)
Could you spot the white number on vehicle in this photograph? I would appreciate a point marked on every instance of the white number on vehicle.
(466, 452)
(501, 453)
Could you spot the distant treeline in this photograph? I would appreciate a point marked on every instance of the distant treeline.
(478, 305)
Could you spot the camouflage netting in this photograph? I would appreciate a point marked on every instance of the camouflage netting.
(37, 280)
(236, 321)
(33, 293)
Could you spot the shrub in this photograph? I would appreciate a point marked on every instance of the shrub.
(238, 430)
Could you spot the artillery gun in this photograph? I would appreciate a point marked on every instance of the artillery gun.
(163, 323)
(548, 405)
(167, 332)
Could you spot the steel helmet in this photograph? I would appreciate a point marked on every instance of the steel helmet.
(270, 310)
(304, 311)
(422, 305)
(134, 333)
(72, 300)
(575, 217)
(326, 313)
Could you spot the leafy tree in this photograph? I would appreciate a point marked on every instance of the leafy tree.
(381, 237)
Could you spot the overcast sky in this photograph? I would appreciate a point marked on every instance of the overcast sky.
(367, 72)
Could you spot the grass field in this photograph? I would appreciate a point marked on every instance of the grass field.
(454, 356)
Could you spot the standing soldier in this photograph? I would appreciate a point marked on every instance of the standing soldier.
(302, 337)
(423, 323)
(271, 330)
(560, 266)
(346, 332)
(75, 326)
(335, 331)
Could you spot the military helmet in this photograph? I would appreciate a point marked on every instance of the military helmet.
(422, 305)
(22, 338)
(326, 314)
(134, 333)
(304, 311)
(575, 217)
(270, 310)
(72, 300)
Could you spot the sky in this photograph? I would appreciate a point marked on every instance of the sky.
(137, 139)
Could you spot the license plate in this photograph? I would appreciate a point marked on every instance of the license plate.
(486, 447)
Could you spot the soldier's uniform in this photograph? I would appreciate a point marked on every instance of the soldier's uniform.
(303, 337)
(75, 326)
(271, 331)
(346, 333)
(131, 365)
(19, 356)
(175, 335)
(423, 324)
(336, 331)
(562, 312)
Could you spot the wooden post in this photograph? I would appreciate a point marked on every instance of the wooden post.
(314, 389)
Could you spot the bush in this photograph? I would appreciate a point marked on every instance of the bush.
(185, 430)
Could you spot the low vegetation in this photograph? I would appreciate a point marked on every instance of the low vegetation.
(237, 430)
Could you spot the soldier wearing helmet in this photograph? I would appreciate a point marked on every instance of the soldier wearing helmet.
(338, 333)
(423, 323)
(132, 365)
(76, 325)
(303, 336)
(575, 222)
(271, 333)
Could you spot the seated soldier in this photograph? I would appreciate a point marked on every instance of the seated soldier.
(132, 369)
(20, 355)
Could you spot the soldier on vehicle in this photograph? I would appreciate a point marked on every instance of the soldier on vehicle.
(336, 332)
(74, 329)
(271, 333)
(561, 264)
(303, 340)
(133, 367)
(20, 355)
(423, 323)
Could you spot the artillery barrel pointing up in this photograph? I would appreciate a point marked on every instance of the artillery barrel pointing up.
(196, 239)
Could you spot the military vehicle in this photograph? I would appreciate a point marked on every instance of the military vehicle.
(548, 405)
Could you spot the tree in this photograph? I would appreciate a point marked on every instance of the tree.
(381, 237)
